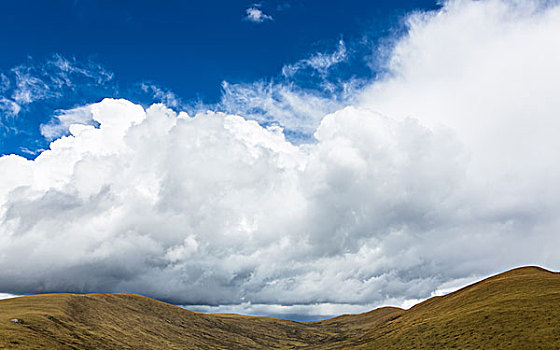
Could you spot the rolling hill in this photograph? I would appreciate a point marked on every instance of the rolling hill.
(518, 309)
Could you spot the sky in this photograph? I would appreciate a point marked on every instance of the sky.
(291, 159)
(188, 48)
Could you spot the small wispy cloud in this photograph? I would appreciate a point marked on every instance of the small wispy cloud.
(296, 110)
(39, 81)
(256, 15)
(31, 88)
(161, 95)
(283, 7)
(9, 108)
(319, 62)
(4, 82)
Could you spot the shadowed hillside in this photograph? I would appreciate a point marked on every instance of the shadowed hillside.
(519, 309)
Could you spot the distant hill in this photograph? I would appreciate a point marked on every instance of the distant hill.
(518, 309)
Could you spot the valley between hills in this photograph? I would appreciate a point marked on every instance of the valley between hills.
(518, 309)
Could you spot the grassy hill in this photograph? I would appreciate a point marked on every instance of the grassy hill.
(518, 309)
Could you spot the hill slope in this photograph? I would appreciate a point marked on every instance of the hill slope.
(519, 309)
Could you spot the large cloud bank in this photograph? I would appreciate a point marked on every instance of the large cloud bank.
(444, 170)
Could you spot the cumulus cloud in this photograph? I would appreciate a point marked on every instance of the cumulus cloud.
(256, 15)
(175, 206)
(440, 172)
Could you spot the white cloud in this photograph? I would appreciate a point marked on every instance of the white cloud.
(256, 15)
(443, 171)
(150, 201)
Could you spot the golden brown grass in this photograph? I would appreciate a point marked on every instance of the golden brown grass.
(519, 309)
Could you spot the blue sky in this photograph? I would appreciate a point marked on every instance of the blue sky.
(187, 47)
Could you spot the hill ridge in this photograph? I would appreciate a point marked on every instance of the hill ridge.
(518, 308)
